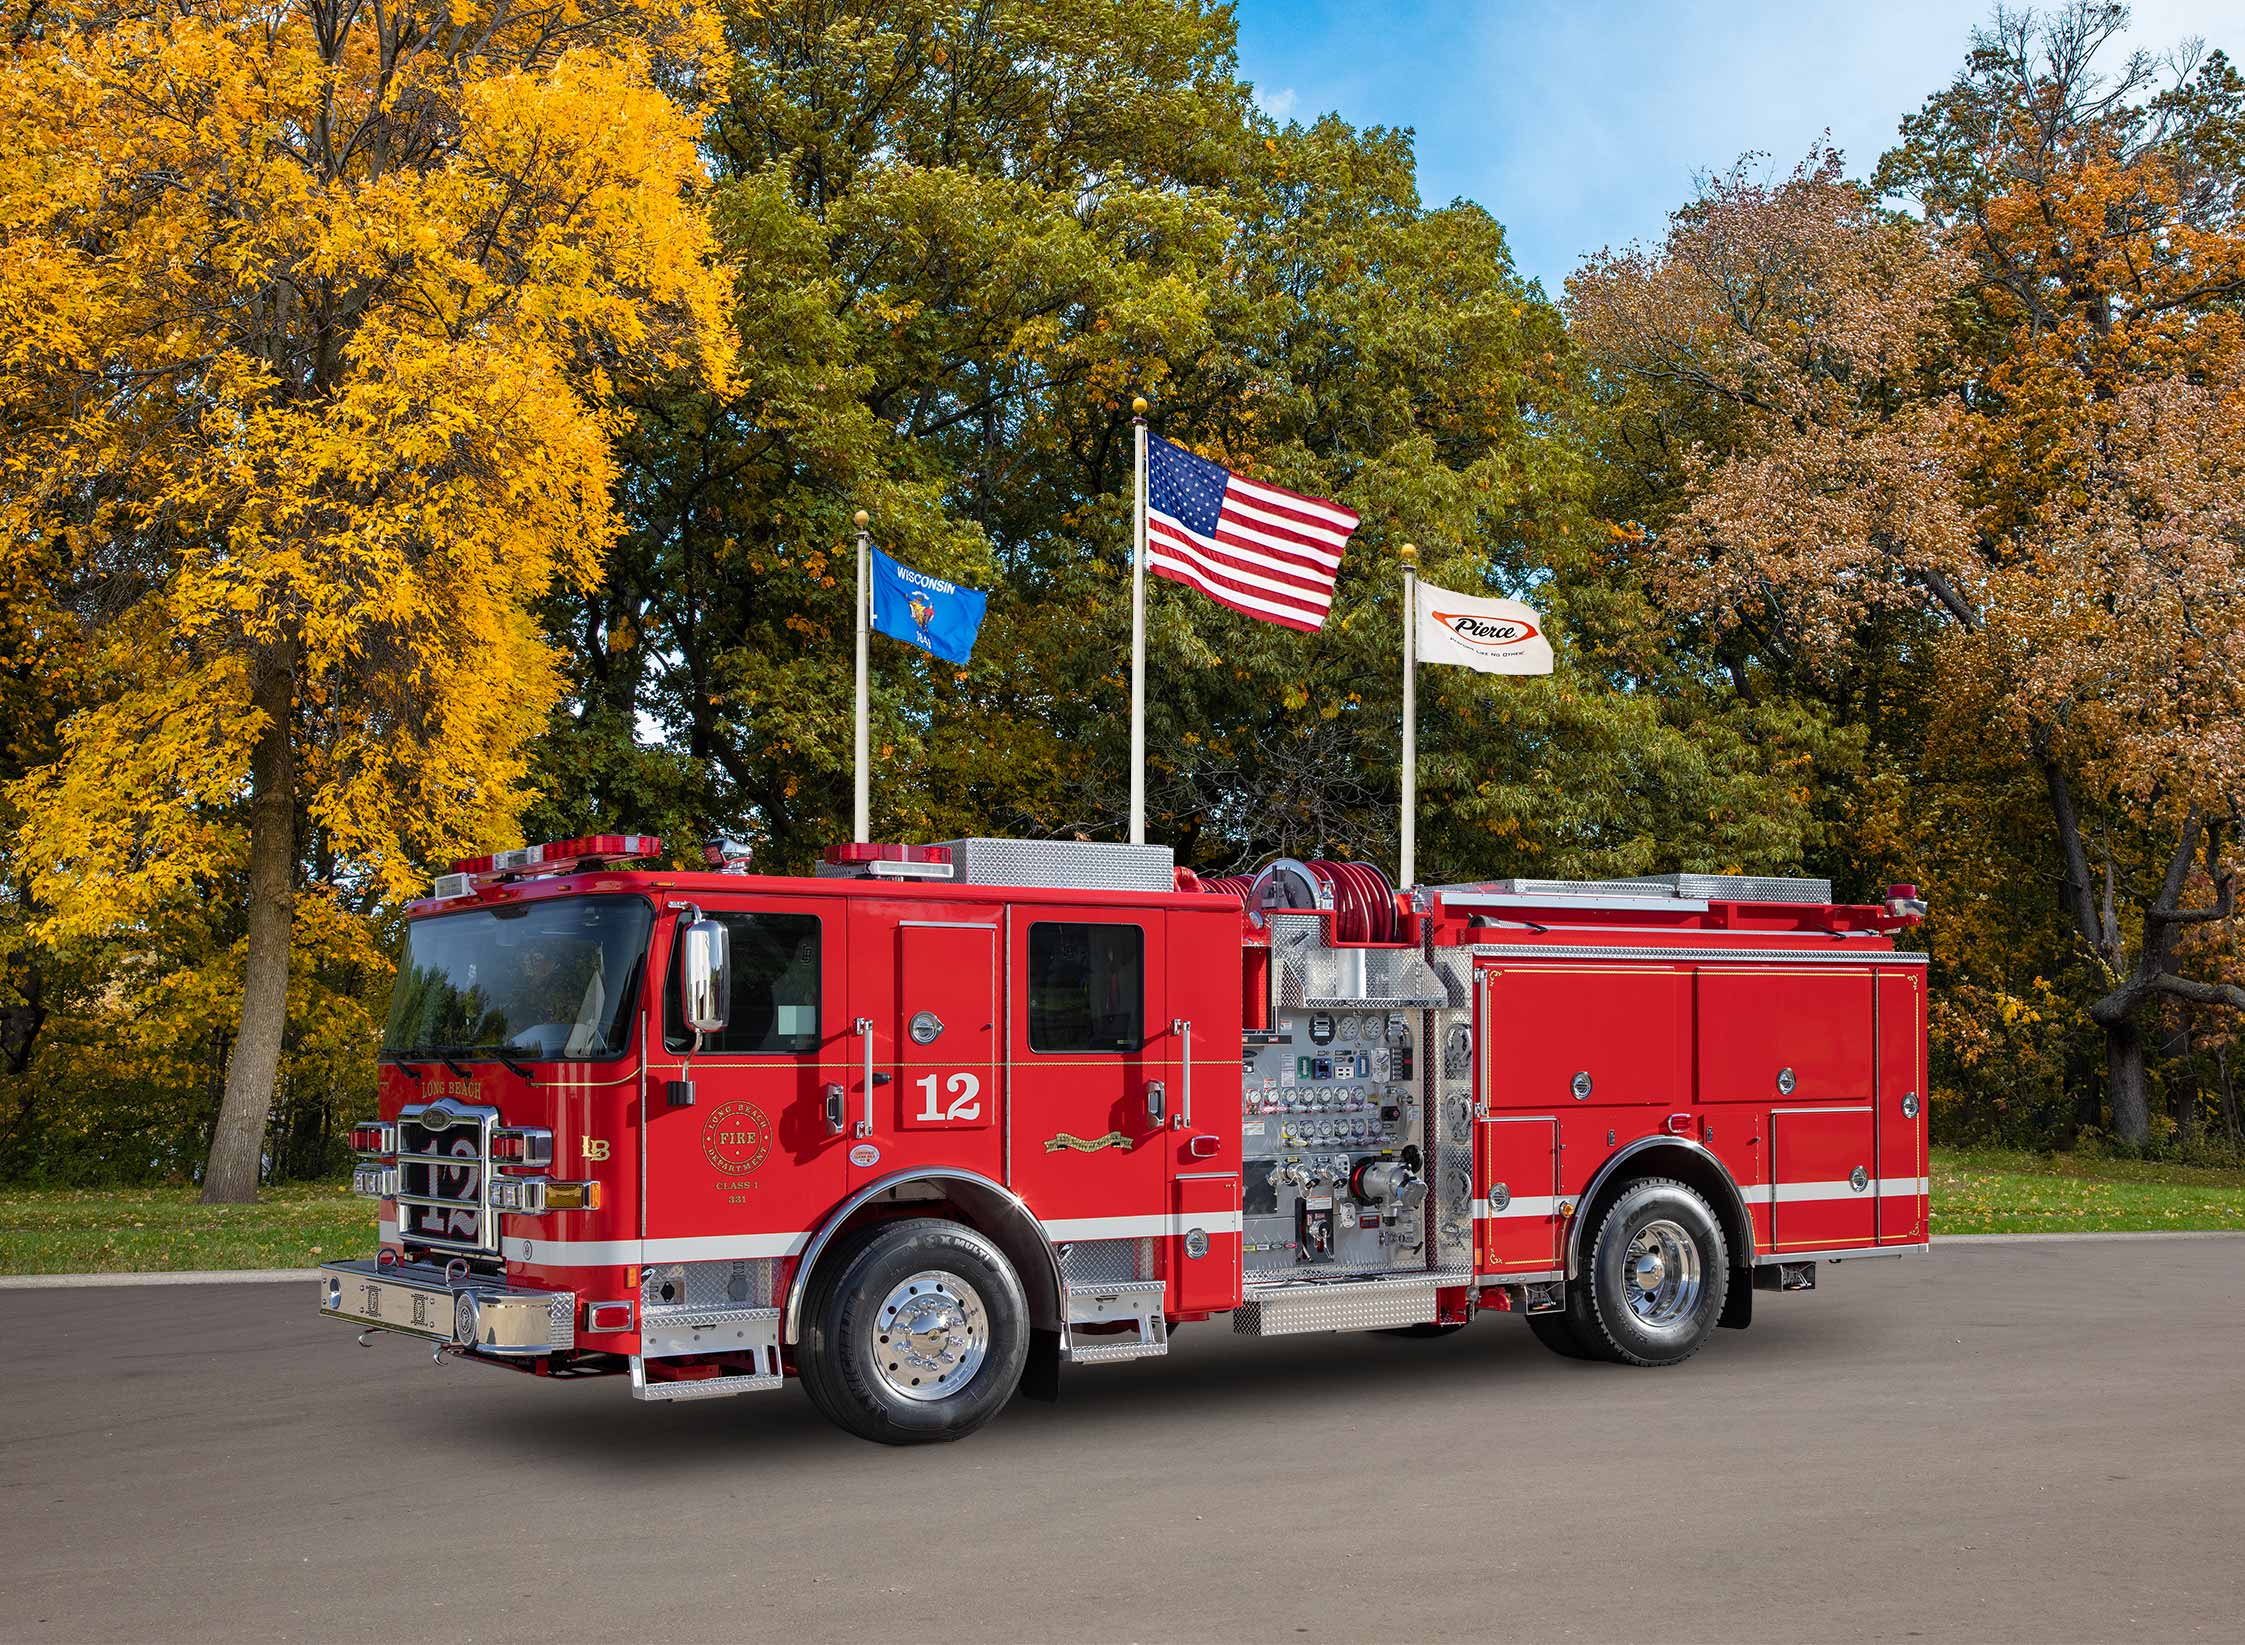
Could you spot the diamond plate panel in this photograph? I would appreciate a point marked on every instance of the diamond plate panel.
(1071, 865)
(738, 1283)
(1091, 1263)
(1701, 887)
(1360, 1305)
(1312, 976)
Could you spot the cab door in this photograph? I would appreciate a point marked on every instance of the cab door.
(742, 1151)
(925, 1002)
(1094, 1065)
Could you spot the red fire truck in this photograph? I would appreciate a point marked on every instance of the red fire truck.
(929, 1125)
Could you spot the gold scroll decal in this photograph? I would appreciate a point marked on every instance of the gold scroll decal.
(1113, 1139)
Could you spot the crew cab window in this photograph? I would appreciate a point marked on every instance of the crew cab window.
(775, 991)
(1087, 987)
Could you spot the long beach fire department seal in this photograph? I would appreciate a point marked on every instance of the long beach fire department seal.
(736, 1137)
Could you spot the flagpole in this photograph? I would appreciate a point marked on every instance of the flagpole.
(1410, 557)
(864, 790)
(1138, 630)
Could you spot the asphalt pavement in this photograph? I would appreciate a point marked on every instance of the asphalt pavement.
(2022, 1442)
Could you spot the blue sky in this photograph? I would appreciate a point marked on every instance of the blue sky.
(1581, 126)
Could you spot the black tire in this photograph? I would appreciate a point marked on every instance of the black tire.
(1598, 1302)
(1557, 1332)
(811, 1369)
(1426, 1330)
(974, 1298)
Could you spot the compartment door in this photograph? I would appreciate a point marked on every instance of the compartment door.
(1823, 1174)
(1516, 1196)
(1204, 1261)
(1902, 1168)
(1777, 1033)
(1556, 1034)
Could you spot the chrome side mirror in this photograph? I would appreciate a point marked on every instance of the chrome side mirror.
(705, 982)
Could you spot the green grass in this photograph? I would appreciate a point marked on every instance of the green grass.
(1989, 1191)
(151, 1230)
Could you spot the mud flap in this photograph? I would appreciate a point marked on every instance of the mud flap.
(1040, 1374)
(1738, 1302)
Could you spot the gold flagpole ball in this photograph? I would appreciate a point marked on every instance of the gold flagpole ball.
(861, 517)
(1138, 406)
(1408, 553)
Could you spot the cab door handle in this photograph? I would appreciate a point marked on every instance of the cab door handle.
(865, 1032)
(837, 1110)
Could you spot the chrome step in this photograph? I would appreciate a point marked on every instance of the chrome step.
(703, 1388)
(1298, 1306)
(668, 1333)
(1138, 1302)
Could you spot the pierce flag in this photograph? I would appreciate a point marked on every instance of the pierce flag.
(1494, 636)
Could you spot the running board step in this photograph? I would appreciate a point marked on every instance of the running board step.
(1341, 1305)
(740, 1333)
(1134, 1302)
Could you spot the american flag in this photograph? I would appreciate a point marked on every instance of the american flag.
(1257, 548)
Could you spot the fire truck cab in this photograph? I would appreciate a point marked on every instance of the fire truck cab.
(926, 1127)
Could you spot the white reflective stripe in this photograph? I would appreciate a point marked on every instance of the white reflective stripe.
(607, 1253)
(722, 1245)
(1753, 1193)
(1154, 1227)
(611, 1253)
(1786, 1193)
(386, 1233)
(1515, 1208)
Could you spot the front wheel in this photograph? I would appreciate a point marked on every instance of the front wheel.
(1653, 1285)
(918, 1334)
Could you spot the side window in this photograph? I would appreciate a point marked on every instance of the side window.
(1087, 987)
(775, 997)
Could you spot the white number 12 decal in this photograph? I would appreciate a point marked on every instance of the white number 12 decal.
(965, 1091)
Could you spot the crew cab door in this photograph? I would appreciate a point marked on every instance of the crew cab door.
(1088, 1042)
(742, 1155)
(925, 996)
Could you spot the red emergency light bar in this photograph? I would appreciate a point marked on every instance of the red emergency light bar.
(887, 860)
(863, 851)
(558, 854)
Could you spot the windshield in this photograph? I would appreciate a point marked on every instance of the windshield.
(545, 979)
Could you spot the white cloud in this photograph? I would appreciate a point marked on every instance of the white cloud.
(1279, 104)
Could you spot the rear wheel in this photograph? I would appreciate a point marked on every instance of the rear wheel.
(917, 1332)
(1653, 1285)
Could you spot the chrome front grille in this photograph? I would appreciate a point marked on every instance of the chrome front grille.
(444, 1177)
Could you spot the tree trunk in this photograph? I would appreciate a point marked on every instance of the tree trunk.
(2229, 1096)
(236, 1144)
(2124, 1082)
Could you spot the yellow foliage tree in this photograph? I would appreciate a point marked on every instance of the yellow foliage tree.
(313, 319)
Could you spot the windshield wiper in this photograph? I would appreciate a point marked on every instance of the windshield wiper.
(440, 1053)
(513, 1066)
(448, 1055)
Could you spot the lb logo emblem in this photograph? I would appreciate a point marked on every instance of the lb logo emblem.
(736, 1137)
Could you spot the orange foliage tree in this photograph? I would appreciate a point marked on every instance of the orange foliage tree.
(2006, 443)
(313, 320)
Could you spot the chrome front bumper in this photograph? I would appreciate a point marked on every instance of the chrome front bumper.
(418, 1300)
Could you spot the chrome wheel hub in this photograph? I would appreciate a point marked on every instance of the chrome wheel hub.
(930, 1335)
(1661, 1274)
